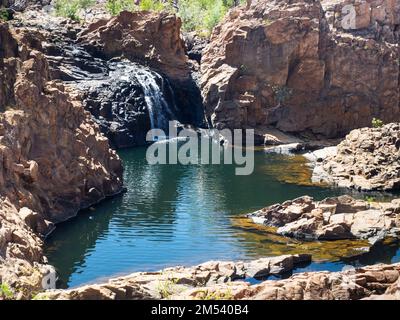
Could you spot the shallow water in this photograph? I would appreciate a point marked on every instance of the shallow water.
(185, 215)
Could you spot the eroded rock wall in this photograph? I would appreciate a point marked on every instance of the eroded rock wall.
(155, 40)
(282, 64)
(53, 159)
(367, 159)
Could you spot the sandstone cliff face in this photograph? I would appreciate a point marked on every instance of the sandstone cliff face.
(153, 39)
(281, 64)
(53, 159)
(375, 19)
(367, 159)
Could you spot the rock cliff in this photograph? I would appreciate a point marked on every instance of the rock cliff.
(53, 159)
(367, 159)
(131, 71)
(155, 40)
(289, 65)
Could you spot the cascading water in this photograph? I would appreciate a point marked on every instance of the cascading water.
(125, 98)
(153, 86)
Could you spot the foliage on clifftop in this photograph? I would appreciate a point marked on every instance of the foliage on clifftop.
(197, 15)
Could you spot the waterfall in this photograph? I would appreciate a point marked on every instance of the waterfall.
(159, 111)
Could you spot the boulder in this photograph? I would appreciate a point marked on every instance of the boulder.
(372, 282)
(168, 282)
(332, 219)
(367, 159)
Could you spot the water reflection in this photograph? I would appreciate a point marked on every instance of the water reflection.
(184, 215)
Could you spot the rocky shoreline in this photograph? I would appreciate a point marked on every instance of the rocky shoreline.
(333, 219)
(216, 280)
(368, 159)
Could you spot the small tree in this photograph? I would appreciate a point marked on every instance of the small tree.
(4, 15)
(377, 123)
(114, 7)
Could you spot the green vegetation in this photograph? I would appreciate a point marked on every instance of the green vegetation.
(114, 7)
(282, 93)
(197, 15)
(369, 199)
(377, 123)
(4, 15)
(5, 292)
(203, 15)
(216, 295)
(70, 8)
(166, 288)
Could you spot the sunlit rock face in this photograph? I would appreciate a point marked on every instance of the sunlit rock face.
(332, 219)
(155, 40)
(367, 159)
(53, 159)
(130, 71)
(287, 64)
(214, 281)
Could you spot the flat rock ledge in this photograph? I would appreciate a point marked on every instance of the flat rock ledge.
(332, 219)
(214, 281)
(373, 282)
(368, 159)
(172, 281)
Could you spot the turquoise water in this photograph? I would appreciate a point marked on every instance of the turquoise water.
(183, 215)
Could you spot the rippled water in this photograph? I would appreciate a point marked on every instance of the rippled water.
(185, 215)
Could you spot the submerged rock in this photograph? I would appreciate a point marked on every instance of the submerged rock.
(367, 159)
(286, 64)
(332, 219)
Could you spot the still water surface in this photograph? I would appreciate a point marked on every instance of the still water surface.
(185, 215)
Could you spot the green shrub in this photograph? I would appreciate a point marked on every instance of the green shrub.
(377, 123)
(202, 15)
(369, 199)
(115, 7)
(67, 9)
(155, 5)
(4, 15)
(282, 93)
(6, 292)
(70, 8)
(196, 15)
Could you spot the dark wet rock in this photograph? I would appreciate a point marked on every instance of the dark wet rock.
(20, 5)
(194, 46)
(126, 98)
(151, 39)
